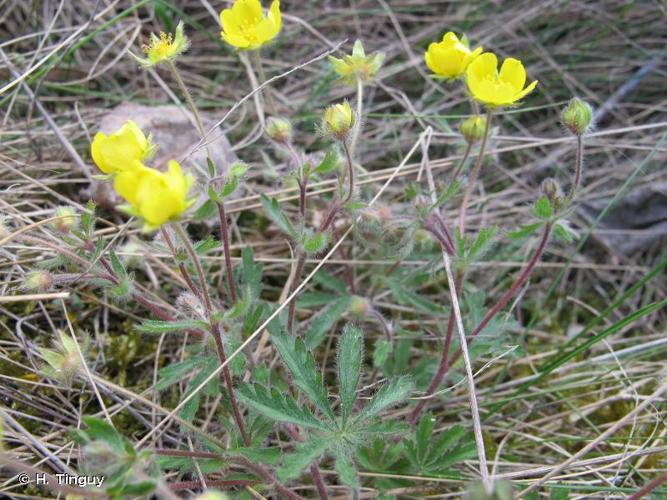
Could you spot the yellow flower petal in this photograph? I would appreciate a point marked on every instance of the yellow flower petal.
(512, 72)
(245, 26)
(493, 89)
(450, 57)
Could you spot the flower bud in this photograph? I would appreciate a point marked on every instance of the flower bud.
(357, 65)
(39, 281)
(68, 220)
(473, 128)
(359, 306)
(577, 116)
(279, 130)
(338, 120)
(552, 190)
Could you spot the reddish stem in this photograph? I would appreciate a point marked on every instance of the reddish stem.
(300, 263)
(649, 487)
(443, 366)
(509, 293)
(210, 483)
(215, 331)
(224, 234)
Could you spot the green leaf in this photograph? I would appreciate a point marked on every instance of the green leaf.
(230, 186)
(350, 351)
(278, 407)
(564, 232)
(174, 373)
(316, 243)
(346, 470)
(100, 429)
(205, 211)
(237, 170)
(304, 454)
(272, 207)
(159, 326)
(117, 265)
(543, 209)
(383, 348)
(389, 394)
(211, 167)
(329, 163)
(204, 246)
(190, 408)
(483, 242)
(305, 373)
(322, 322)
(524, 231)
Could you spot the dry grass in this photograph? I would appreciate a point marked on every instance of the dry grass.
(72, 63)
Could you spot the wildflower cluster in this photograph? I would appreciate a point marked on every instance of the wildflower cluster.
(158, 197)
(452, 59)
(155, 197)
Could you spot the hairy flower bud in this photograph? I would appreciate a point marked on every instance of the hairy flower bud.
(338, 120)
(359, 306)
(279, 130)
(552, 190)
(68, 220)
(39, 281)
(577, 116)
(472, 129)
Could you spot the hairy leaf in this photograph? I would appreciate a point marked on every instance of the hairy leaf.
(277, 406)
(305, 373)
(350, 350)
(389, 394)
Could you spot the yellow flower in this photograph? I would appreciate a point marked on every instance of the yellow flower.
(166, 47)
(357, 65)
(450, 58)
(245, 26)
(156, 197)
(338, 120)
(118, 151)
(497, 89)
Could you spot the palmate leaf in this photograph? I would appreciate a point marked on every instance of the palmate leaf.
(303, 455)
(350, 350)
(306, 375)
(389, 394)
(435, 454)
(278, 407)
(347, 472)
(321, 323)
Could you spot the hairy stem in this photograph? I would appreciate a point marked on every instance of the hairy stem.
(579, 168)
(298, 270)
(224, 235)
(260, 470)
(185, 239)
(268, 95)
(360, 109)
(456, 310)
(350, 172)
(227, 375)
(443, 366)
(191, 104)
(463, 161)
(215, 331)
(643, 493)
(512, 290)
(475, 173)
